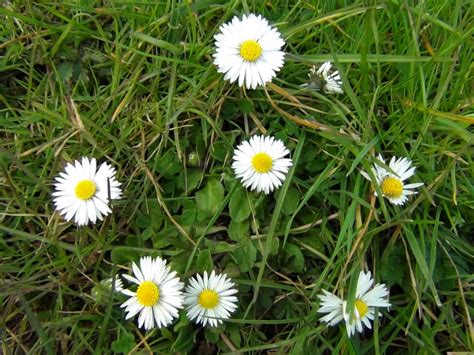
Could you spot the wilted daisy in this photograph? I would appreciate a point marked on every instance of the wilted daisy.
(259, 163)
(209, 299)
(364, 311)
(248, 50)
(82, 192)
(391, 185)
(332, 305)
(158, 296)
(326, 78)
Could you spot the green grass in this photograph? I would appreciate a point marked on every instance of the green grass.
(133, 83)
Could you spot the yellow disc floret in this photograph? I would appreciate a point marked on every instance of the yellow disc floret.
(392, 187)
(362, 308)
(250, 50)
(148, 293)
(85, 189)
(208, 299)
(262, 163)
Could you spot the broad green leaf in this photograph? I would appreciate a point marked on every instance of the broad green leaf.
(292, 200)
(246, 106)
(391, 269)
(185, 339)
(245, 256)
(238, 230)
(124, 343)
(168, 164)
(239, 207)
(294, 258)
(204, 261)
(209, 198)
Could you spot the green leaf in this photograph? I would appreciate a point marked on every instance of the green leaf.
(124, 343)
(292, 200)
(421, 262)
(219, 151)
(204, 261)
(185, 339)
(209, 198)
(245, 257)
(188, 216)
(65, 71)
(213, 334)
(123, 255)
(238, 230)
(168, 164)
(229, 108)
(391, 269)
(239, 206)
(294, 258)
(142, 221)
(246, 105)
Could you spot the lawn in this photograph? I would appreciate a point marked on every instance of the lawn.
(136, 85)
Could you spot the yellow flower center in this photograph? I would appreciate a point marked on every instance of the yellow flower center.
(362, 308)
(262, 163)
(148, 293)
(208, 299)
(250, 50)
(392, 187)
(85, 189)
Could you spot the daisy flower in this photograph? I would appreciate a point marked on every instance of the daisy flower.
(158, 296)
(392, 185)
(82, 192)
(363, 311)
(326, 78)
(259, 163)
(107, 283)
(209, 299)
(103, 291)
(248, 50)
(332, 305)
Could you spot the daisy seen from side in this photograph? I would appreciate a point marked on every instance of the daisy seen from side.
(158, 296)
(248, 50)
(210, 299)
(325, 78)
(83, 192)
(260, 164)
(392, 185)
(367, 299)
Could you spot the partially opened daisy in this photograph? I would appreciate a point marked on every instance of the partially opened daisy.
(210, 299)
(326, 78)
(83, 192)
(332, 305)
(248, 50)
(158, 296)
(117, 287)
(392, 185)
(367, 298)
(260, 164)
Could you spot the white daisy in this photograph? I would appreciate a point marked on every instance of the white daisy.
(325, 78)
(209, 299)
(83, 192)
(158, 296)
(391, 185)
(248, 50)
(364, 311)
(259, 163)
(332, 305)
